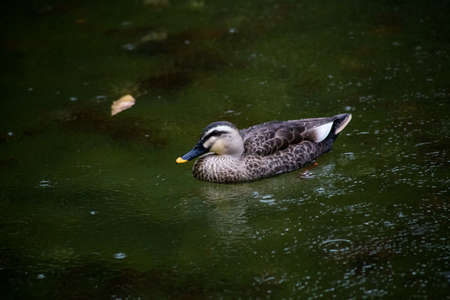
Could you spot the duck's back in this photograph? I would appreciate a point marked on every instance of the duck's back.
(271, 137)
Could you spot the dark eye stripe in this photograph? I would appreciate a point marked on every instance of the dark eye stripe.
(214, 133)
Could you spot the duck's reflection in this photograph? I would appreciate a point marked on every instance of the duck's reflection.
(232, 206)
(228, 214)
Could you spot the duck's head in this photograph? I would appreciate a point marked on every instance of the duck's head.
(222, 138)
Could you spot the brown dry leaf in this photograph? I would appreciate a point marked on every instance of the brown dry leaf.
(122, 104)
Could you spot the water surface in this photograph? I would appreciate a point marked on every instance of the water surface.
(94, 207)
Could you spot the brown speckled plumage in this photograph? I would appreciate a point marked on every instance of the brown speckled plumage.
(268, 149)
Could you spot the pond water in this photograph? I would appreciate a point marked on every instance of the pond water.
(94, 206)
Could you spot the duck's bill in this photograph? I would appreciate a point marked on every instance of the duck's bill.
(180, 160)
(195, 152)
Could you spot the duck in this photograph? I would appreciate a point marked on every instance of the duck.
(229, 155)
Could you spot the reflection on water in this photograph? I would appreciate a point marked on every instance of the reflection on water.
(227, 212)
(94, 207)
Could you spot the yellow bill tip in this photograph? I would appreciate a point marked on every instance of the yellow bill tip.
(180, 160)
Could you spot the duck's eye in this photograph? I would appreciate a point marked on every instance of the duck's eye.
(218, 132)
(214, 133)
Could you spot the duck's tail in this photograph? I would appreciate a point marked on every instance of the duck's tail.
(340, 122)
(329, 129)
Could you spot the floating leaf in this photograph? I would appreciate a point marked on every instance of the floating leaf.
(122, 104)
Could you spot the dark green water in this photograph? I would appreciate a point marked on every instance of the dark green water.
(94, 207)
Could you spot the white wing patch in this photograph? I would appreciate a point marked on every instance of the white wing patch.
(319, 133)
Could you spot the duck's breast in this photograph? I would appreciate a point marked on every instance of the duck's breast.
(220, 168)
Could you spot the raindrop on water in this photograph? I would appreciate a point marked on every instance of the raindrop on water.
(336, 245)
(45, 183)
(128, 47)
(119, 255)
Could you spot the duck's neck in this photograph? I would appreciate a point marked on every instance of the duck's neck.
(231, 145)
(236, 146)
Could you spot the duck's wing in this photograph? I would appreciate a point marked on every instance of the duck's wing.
(267, 138)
